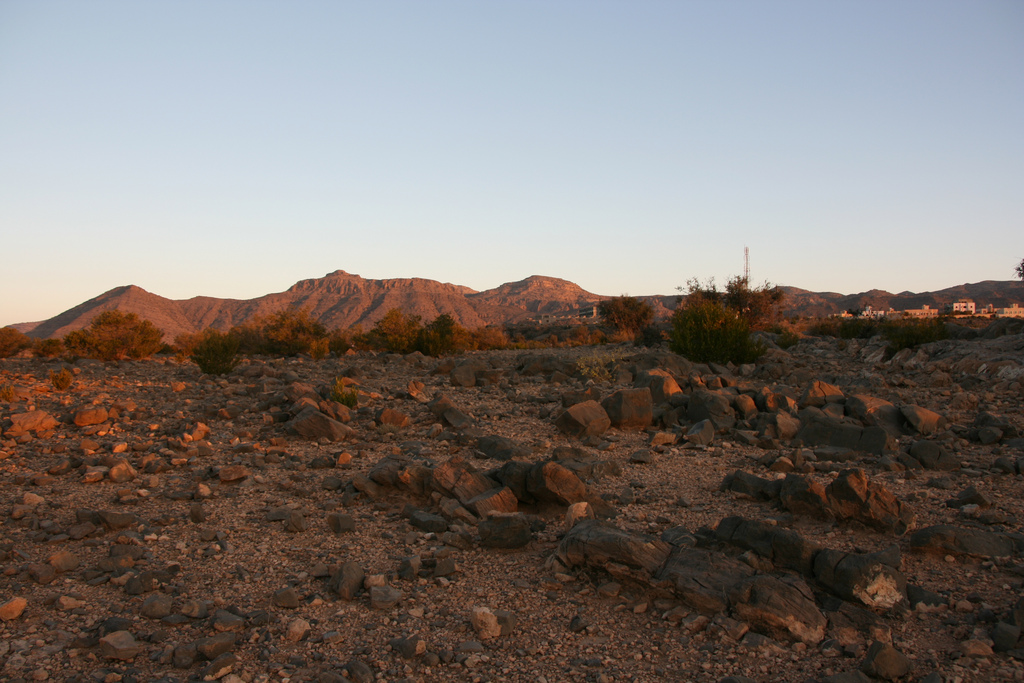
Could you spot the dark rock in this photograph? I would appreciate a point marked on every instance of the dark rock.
(629, 408)
(701, 579)
(947, 539)
(348, 580)
(583, 420)
(596, 543)
(778, 609)
(886, 662)
(923, 421)
(932, 456)
(852, 496)
(505, 531)
(871, 579)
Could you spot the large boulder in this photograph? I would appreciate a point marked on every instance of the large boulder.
(583, 420)
(313, 424)
(702, 579)
(596, 544)
(852, 496)
(711, 405)
(923, 421)
(550, 482)
(660, 383)
(872, 579)
(629, 408)
(784, 610)
(945, 539)
(875, 412)
(818, 394)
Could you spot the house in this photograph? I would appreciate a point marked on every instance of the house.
(964, 307)
(1013, 311)
(926, 312)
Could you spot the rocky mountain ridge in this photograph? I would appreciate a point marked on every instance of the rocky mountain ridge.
(344, 300)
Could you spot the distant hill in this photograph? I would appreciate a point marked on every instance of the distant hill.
(338, 300)
(999, 293)
(344, 300)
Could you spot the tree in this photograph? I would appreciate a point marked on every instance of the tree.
(759, 306)
(705, 330)
(1020, 269)
(442, 336)
(12, 341)
(627, 314)
(396, 332)
(114, 335)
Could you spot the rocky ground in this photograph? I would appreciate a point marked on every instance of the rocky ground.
(590, 514)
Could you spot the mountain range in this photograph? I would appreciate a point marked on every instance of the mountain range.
(344, 300)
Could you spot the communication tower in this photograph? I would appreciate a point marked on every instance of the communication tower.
(746, 265)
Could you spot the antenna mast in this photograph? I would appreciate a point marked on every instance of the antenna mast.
(746, 265)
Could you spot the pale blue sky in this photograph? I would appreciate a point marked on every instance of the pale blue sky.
(232, 148)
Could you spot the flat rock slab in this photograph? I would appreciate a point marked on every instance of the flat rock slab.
(597, 543)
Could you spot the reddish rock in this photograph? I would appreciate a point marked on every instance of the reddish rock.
(584, 419)
(90, 416)
(629, 408)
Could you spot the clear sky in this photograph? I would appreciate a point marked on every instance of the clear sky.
(230, 149)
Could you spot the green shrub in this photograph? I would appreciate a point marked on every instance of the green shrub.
(443, 336)
(12, 341)
(346, 397)
(396, 332)
(319, 348)
(705, 331)
(48, 348)
(340, 341)
(7, 393)
(626, 314)
(908, 334)
(787, 339)
(114, 335)
(61, 381)
(595, 366)
(285, 333)
(215, 353)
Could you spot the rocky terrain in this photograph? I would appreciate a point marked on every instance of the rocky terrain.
(591, 514)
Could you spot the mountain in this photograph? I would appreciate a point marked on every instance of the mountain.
(999, 293)
(344, 300)
(338, 300)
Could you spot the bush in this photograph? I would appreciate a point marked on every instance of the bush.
(627, 314)
(7, 394)
(396, 332)
(443, 336)
(488, 338)
(705, 331)
(346, 397)
(285, 333)
(319, 348)
(61, 380)
(12, 341)
(114, 335)
(48, 348)
(908, 334)
(339, 342)
(215, 353)
(787, 339)
(758, 306)
(595, 366)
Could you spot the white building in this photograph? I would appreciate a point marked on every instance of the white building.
(964, 307)
(1013, 311)
(926, 312)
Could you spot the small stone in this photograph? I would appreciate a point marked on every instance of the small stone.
(975, 648)
(485, 622)
(13, 608)
(120, 645)
(384, 597)
(286, 597)
(298, 630)
(884, 661)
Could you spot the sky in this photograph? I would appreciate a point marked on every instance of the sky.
(230, 149)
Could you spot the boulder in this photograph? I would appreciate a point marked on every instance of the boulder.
(87, 417)
(711, 405)
(505, 531)
(886, 662)
(596, 544)
(550, 482)
(819, 393)
(923, 421)
(32, 421)
(313, 424)
(875, 412)
(583, 420)
(661, 385)
(803, 496)
(783, 547)
(852, 496)
(502, 448)
(945, 539)
(871, 579)
(702, 579)
(496, 500)
(751, 485)
(701, 434)
(932, 456)
(784, 610)
(629, 408)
